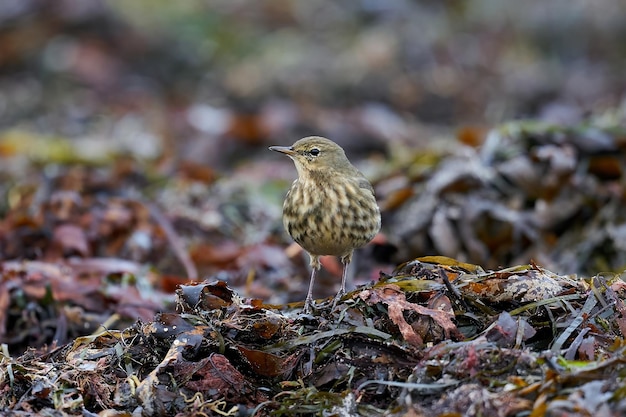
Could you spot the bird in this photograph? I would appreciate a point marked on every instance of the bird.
(330, 208)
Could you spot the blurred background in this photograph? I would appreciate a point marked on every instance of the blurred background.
(176, 103)
(214, 81)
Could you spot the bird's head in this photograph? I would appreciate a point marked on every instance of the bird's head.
(316, 154)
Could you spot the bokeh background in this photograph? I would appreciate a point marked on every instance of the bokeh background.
(201, 80)
(176, 102)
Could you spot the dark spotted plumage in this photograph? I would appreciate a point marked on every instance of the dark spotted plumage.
(330, 209)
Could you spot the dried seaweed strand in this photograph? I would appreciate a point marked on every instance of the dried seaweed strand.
(580, 318)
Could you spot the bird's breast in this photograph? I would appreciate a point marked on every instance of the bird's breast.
(330, 217)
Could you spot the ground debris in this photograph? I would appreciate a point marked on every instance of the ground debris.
(421, 340)
(533, 190)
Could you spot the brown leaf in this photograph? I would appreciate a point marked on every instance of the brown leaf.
(471, 135)
(221, 255)
(607, 167)
(197, 172)
(266, 327)
(587, 349)
(71, 239)
(268, 364)
(248, 128)
(397, 304)
(396, 198)
(217, 378)
(207, 296)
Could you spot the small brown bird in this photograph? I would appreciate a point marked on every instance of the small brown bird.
(331, 208)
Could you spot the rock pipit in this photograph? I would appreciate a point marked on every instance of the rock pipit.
(330, 209)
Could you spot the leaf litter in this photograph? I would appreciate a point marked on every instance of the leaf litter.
(434, 336)
(437, 335)
(434, 350)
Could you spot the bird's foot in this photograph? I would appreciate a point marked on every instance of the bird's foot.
(308, 306)
(338, 297)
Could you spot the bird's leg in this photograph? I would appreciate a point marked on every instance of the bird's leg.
(308, 302)
(315, 266)
(342, 290)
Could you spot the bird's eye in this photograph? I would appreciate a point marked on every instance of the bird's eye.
(314, 152)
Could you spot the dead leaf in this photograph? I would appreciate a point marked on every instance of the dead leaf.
(72, 240)
(268, 364)
(397, 304)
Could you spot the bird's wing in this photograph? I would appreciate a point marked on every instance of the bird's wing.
(364, 183)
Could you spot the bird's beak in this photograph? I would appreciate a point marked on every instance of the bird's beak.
(287, 150)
